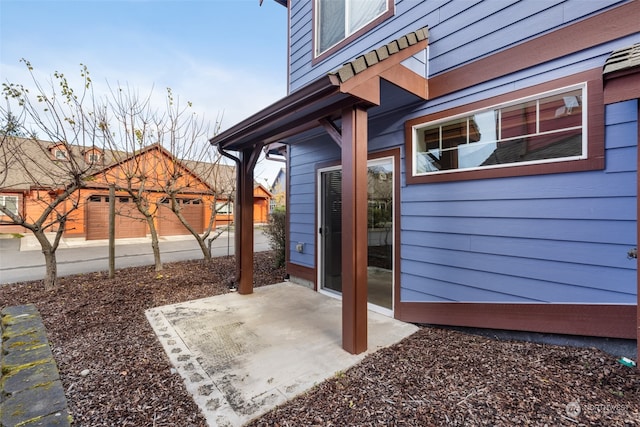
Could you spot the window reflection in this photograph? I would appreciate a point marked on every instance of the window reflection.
(545, 128)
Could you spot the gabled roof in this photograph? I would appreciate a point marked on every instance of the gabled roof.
(30, 165)
(123, 160)
(354, 83)
(257, 187)
(280, 177)
(623, 59)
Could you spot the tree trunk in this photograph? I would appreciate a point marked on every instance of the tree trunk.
(51, 266)
(51, 277)
(206, 253)
(155, 243)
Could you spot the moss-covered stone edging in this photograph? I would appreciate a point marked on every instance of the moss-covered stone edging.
(31, 393)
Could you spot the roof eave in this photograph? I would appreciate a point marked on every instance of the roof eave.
(261, 126)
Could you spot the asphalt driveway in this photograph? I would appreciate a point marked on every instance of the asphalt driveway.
(21, 259)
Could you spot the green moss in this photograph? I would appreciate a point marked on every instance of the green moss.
(9, 369)
(46, 386)
(8, 319)
(34, 345)
(33, 334)
(18, 412)
(30, 420)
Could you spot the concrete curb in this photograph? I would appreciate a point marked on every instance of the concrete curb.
(31, 393)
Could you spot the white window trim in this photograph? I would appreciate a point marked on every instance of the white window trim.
(61, 154)
(3, 201)
(583, 86)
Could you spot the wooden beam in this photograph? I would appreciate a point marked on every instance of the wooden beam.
(382, 66)
(354, 230)
(368, 90)
(403, 77)
(334, 132)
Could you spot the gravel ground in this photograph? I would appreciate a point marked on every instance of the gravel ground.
(115, 372)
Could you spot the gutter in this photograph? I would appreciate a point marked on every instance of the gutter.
(236, 278)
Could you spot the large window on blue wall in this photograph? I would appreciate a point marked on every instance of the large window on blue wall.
(337, 20)
(546, 127)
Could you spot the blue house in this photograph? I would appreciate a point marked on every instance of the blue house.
(469, 163)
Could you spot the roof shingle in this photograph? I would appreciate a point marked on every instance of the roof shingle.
(362, 62)
(623, 59)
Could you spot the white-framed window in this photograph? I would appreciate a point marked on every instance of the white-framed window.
(224, 208)
(60, 154)
(93, 157)
(10, 203)
(543, 128)
(336, 20)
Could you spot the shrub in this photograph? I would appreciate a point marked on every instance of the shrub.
(276, 233)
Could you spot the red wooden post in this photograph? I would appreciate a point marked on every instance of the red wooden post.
(354, 230)
(244, 230)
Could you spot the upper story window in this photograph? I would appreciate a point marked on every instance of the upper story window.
(337, 20)
(93, 157)
(549, 128)
(60, 154)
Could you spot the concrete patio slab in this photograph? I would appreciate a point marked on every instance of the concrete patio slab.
(241, 355)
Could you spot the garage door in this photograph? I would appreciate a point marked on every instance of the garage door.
(129, 221)
(170, 225)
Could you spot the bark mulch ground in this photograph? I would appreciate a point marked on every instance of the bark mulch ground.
(115, 372)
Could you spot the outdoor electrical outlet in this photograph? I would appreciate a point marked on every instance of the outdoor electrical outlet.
(300, 247)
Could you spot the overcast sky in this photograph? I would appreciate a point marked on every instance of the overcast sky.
(225, 56)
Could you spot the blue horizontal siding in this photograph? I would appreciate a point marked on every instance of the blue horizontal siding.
(459, 32)
(611, 232)
(465, 35)
(621, 112)
(304, 158)
(617, 135)
(570, 185)
(621, 160)
(587, 253)
(446, 290)
(576, 276)
(552, 238)
(302, 208)
(559, 238)
(448, 283)
(613, 208)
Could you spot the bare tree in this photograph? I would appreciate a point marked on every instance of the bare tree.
(50, 173)
(165, 162)
(126, 121)
(194, 169)
(154, 156)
